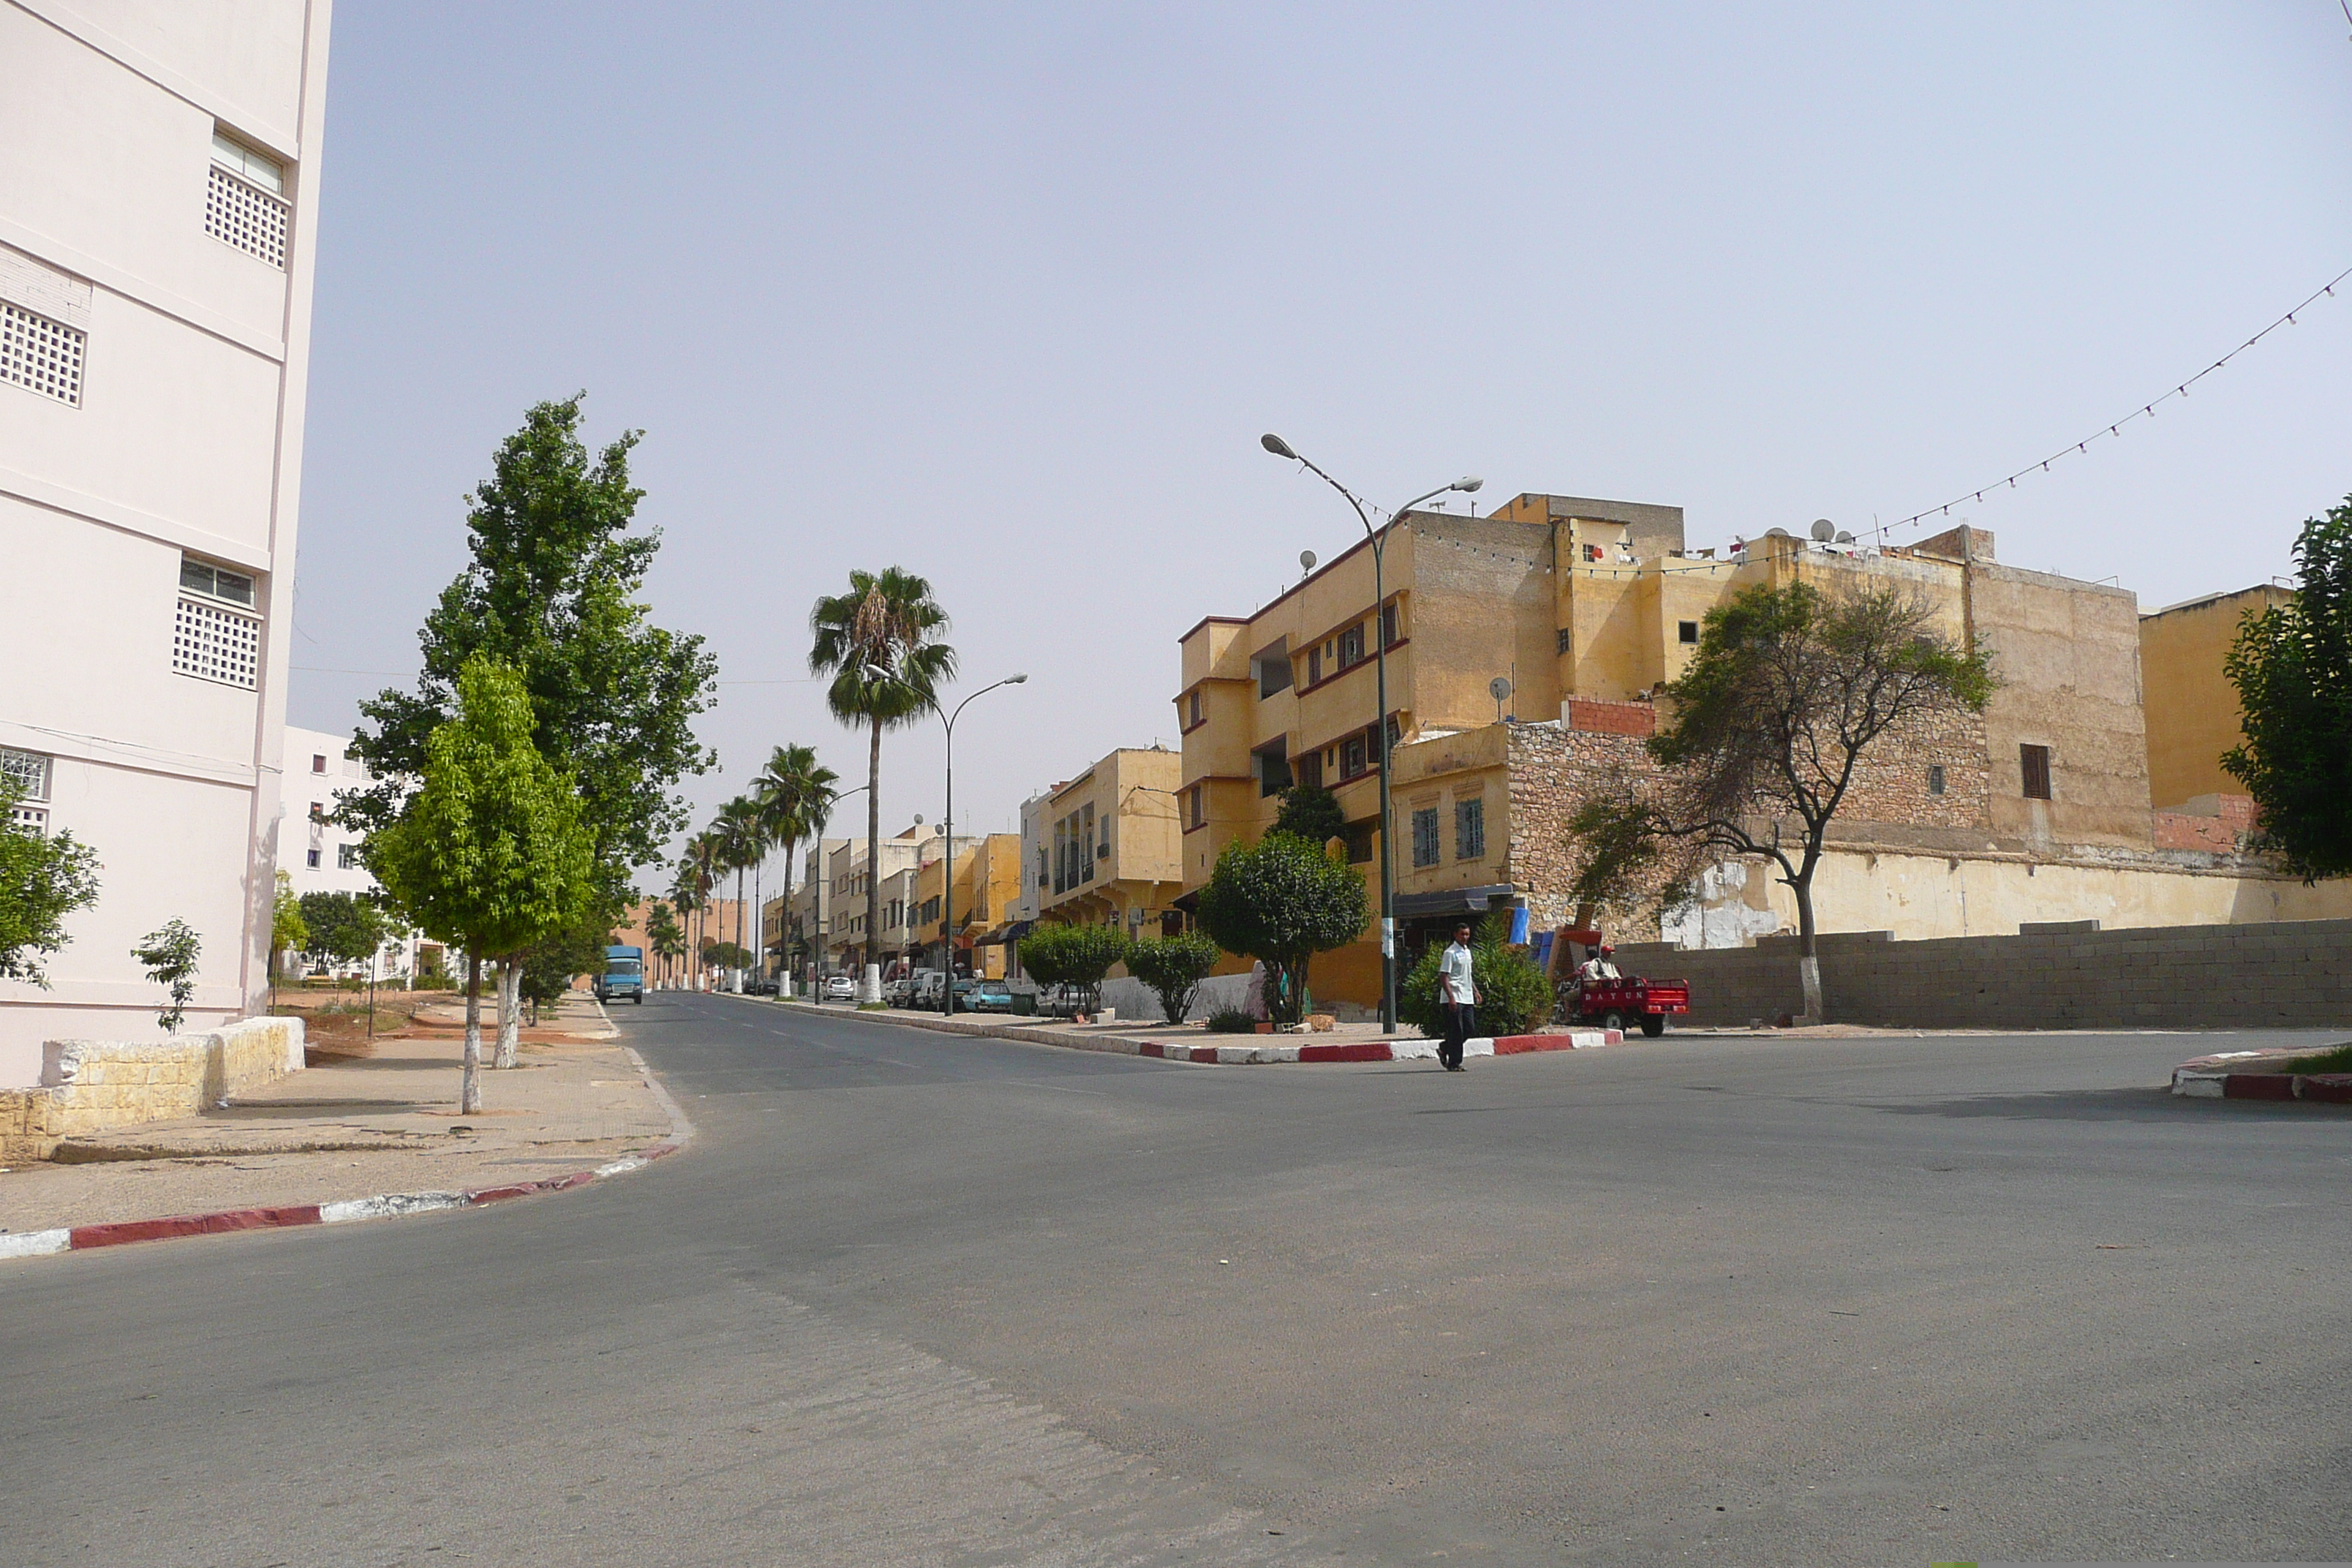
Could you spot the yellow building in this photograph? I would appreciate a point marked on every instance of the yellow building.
(987, 876)
(1576, 611)
(2193, 714)
(1109, 844)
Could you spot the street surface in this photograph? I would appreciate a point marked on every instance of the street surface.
(915, 1298)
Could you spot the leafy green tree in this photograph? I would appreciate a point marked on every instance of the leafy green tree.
(1792, 686)
(43, 879)
(491, 853)
(342, 926)
(1282, 901)
(555, 960)
(2291, 665)
(1076, 956)
(551, 592)
(1514, 997)
(879, 643)
(1312, 812)
(1174, 967)
(169, 955)
(287, 933)
(726, 955)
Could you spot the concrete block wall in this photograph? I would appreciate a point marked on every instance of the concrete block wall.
(2281, 974)
(94, 1086)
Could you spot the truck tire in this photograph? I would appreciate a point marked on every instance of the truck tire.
(1653, 1025)
(1613, 1019)
(639, 998)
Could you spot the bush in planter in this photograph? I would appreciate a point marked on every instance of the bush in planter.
(1174, 967)
(1232, 1021)
(1076, 956)
(1514, 997)
(1282, 901)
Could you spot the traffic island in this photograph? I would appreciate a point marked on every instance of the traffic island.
(2322, 1077)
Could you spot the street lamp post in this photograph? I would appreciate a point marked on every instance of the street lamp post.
(946, 869)
(1378, 541)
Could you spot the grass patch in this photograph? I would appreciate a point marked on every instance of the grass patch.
(2334, 1058)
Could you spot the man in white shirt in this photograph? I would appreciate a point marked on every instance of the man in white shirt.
(1598, 966)
(1457, 994)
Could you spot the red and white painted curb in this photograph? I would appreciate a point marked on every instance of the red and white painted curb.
(384, 1206)
(1373, 1050)
(2254, 1075)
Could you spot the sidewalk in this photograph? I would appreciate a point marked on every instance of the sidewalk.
(1192, 1043)
(352, 1129)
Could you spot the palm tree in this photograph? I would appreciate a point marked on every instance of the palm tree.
(740, 844)
(875, 641)
(698, 873)
(795, 795)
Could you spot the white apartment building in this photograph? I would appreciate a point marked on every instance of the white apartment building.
(158, 194)
(317, 855)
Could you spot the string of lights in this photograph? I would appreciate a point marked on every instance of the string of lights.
(2146, 411)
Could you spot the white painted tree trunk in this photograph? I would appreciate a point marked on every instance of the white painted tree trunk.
(509, 1009)
(470, 1077)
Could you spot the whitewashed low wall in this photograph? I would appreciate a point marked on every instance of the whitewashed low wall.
(1140, 1002)
(93, 1086)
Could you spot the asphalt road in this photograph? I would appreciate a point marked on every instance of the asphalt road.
(910, 1298)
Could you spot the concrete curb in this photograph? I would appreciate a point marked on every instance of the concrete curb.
(1245, 1054)
(2252, 1075)
(384, 1206)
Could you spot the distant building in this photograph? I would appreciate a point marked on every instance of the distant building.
(1110, 844)
(2193, 715)
(318, 856)
(157, 227)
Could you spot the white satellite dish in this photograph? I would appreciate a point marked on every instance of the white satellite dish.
(1824, 530)
(1306, 560)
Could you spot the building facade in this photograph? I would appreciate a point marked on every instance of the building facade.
(2193, 714)
(848, 946)
(1108, 844)
(157, 235)
(1524, 652)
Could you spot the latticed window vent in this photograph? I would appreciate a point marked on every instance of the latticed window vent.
(40, 355)
(246, 216)
(28, 820)
(216, 644)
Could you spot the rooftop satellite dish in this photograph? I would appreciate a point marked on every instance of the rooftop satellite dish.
(1778, 533)
(1498, 687)
(918, 819)
(1843, 537)
(1306, 560)
(1824, 530)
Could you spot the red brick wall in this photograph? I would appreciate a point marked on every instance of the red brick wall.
(1596, 717)
(2221, 833)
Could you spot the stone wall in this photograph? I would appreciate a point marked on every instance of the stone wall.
(2286, 974)
(92, 1085)
(1551, 767)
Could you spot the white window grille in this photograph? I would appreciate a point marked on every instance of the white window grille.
(212, 642)
(246, 206)
(28, 771)
(29, 819)
(40, 355)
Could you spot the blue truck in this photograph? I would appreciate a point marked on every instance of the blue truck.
(625, 976)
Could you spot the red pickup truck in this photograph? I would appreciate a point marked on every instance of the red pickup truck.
(1631, 1003)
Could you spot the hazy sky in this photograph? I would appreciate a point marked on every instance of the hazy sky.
(1005, 296)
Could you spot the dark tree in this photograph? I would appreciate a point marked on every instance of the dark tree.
(2291, 665)
(1312, 812)
(1282, 901)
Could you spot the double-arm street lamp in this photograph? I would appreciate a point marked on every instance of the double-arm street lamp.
(1379, 539)
(947, 871)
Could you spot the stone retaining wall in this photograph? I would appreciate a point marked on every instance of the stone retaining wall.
(92, 1085)
(2281, 974)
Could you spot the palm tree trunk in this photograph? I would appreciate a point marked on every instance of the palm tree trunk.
(739, 922)
(873, 867)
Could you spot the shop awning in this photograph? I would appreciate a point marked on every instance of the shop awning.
(1452, 902)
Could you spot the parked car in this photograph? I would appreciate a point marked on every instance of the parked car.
(985, 996)
(930, 988)
(760, 985)
(894, 992)
(840, 988)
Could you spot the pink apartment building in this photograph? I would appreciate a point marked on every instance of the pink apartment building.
(158, 186)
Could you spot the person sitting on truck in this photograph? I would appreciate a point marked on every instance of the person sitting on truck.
(1598, 966)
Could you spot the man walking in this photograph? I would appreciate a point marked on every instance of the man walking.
(1457, 993)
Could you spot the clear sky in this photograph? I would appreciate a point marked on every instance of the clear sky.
(1005, 296)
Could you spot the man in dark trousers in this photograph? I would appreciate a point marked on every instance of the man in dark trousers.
(1457, 993)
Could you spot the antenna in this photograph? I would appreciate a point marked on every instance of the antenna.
(1824, 530)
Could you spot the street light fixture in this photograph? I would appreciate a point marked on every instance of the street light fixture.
(946, 869)
(1379, 539)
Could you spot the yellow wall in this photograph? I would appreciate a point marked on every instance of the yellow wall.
(2193, 714)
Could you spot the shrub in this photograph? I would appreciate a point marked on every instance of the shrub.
(1232, 1021)
(1282, 901)
(1174, 967)
(1074, 955)
(1311, 812)
(1514, 995)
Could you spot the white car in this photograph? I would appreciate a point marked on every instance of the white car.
(841, 988)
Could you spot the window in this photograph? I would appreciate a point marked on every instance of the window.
(346, 857)
(1196, 798)
(1470, 830)
(1391, 620)
(1352, 755)
(1688, 631)
(318, 760)
(312, 860)
(245, 206)
(1425, 836)
(1314, 665)
(1351, 647)
(1396, 732)
(1273, 668)
(2033, 762)
(215, 643)
(1273, 768)
(1086, 839)
(40, 355)
(1309, 770)
(29, 772)
(318, 811)
(218, 583)
(1936, 778)
(1565, 638)
(1192, 709)
(1360, 843)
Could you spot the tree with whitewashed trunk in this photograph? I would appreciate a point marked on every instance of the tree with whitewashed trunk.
(490, 853)
(1792, 688)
